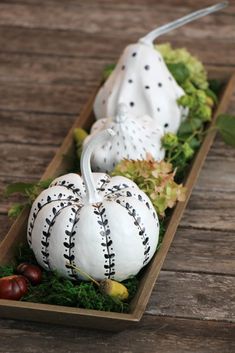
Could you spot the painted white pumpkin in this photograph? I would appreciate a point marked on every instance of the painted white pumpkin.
(135, 137)
(105, 226)
(142, 80)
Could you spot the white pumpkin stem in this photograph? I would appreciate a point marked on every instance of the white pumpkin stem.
(151, 36)
(121, 114)
(92, 196)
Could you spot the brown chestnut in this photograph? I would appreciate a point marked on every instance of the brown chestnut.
(13, 287)
(32, 272)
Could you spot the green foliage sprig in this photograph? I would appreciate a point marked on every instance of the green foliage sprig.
(29, 191)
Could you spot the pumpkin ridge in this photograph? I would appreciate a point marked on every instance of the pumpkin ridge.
(71, 243)
(115, 189)
(109, 256)
(40, 208)
(142, 231)
(47, 234)
(104, 182)
(75, 190)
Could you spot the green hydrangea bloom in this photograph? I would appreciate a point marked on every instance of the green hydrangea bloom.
(197, 72)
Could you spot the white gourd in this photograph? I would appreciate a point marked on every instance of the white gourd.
(134, 138)
(142, 80)
(107, 227)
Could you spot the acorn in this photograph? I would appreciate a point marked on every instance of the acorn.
(13, 287)
(114, 289)
(32, 272)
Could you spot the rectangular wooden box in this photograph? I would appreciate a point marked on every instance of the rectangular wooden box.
(93, 318)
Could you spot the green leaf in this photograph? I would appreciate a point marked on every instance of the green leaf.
(189, 126)
(226, 126)
(179, 71)
(108, 70)
(216, 85)
(212, 95)
(22, 188)
(79, 135)
(15, 210)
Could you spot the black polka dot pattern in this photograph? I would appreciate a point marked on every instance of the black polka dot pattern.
(132, 104)
(147, 67)
(159, 84)
(130, 81)
(147, 87)
(134, 54)
(123, 67)
(166, 125)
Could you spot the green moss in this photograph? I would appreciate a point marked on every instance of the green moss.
(61, 291)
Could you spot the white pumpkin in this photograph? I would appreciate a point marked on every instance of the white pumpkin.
(135, 137)
(105, 226)
(142, 80)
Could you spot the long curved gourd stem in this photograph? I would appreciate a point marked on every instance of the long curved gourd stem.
(121, 114)
(92, 195)
(151, 36)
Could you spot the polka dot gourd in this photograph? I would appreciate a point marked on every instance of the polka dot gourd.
(142, 80)
(135, 138)
(107, 227)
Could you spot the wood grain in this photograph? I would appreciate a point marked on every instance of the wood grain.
(193, 295)
(200, 250)
(141, 21)
(73, 44)
(34, 128)
(152, 335)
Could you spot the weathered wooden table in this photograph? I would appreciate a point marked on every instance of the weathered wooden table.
(51, 57)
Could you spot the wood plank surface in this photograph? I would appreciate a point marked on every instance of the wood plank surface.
(202, 251)
(52, 54)
(194, 295)
(155, 334)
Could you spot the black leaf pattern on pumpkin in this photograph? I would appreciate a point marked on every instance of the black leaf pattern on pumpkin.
(69, 257)
(69, 243)
(106, 243)
(40, 205)
(68, 186)
(116, 190)
(46, 235)
(141, 229)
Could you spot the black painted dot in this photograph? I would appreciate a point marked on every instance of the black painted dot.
(130, 81)
(123, 67)
(166, 125)
(159, 84)
(134, 54)
(147, 67)
(147, 87)
(159, 59)
(170, 78)
(158, 109)
(132, 104)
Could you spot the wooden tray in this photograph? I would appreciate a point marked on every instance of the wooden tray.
(94, 318)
